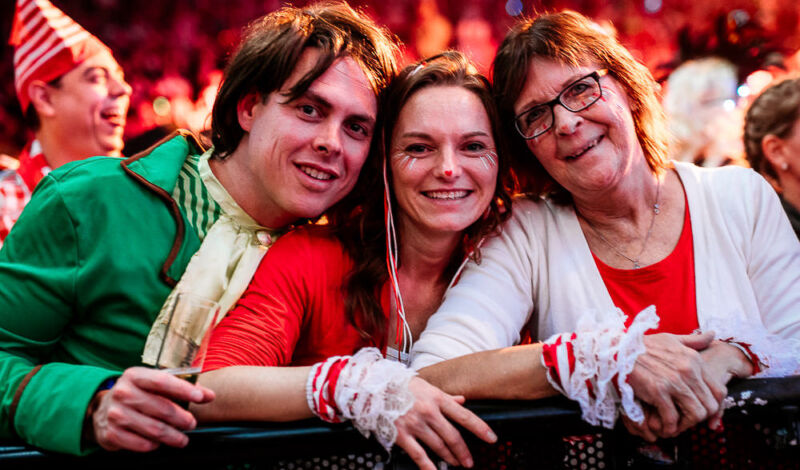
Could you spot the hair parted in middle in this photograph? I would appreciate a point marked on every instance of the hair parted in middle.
(774, 112)
(271, 47)
(572, 39)
(362, 230)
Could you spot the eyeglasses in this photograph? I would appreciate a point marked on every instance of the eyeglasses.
(575, 97)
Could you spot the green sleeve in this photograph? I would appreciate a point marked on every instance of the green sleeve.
(38, 274)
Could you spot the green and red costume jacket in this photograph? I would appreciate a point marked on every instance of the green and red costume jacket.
(82, 277)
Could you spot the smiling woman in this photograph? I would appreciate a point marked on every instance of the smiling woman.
(615, 237)
(443, 170)
(283, 352)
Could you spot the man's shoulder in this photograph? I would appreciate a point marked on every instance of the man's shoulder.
(162, 161)
(94, 165)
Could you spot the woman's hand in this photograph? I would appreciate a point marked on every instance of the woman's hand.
(724, 363)
(672, 377)
(427, 421)
(721, 362)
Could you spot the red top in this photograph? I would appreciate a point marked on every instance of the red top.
(17, 185)
(668, 284)
(32, 165)
(292, 313)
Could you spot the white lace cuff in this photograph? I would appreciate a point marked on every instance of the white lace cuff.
(776, 356)
(365, 388)
(591, 366)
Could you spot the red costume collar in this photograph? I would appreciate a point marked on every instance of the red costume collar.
(32, 164)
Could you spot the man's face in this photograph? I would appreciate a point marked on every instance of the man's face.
(300, 157)
(90, 106)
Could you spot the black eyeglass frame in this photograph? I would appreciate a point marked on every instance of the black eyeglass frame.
(596, 75)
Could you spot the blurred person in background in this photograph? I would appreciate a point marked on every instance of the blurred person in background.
(772, 141)
(73, 95)
(704, 121)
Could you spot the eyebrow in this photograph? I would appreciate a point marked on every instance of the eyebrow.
(420, 135)
(107, 71)
(91, 70)
(475, 134)
(423, 135)
(324, 103)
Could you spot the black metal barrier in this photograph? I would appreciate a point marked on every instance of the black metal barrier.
(761, 430)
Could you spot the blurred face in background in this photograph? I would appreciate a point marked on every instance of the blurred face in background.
(89, 106)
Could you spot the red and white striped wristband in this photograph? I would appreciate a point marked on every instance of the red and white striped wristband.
(591, 366)
(364, 388)
(321, 388)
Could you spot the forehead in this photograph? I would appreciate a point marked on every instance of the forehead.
(102, 59)
(344, 84)
(545, 80)
(443, 110)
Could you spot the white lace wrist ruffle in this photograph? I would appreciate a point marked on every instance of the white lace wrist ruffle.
(604, 355)
(370, 391)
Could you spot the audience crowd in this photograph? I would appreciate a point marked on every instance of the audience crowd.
(371, 179)
(173, 52)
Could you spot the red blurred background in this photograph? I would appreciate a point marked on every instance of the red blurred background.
(173, 51)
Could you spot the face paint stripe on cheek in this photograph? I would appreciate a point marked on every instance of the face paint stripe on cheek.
(406, 160)
(491, 158)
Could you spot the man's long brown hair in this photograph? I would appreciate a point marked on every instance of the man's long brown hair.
(271, 48)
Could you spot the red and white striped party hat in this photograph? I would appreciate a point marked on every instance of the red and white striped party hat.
(47, 44)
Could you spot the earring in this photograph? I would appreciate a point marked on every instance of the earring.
(784, 166)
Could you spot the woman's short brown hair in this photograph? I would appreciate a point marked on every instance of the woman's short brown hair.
(773, 112)
(570, 38)
(271, 47)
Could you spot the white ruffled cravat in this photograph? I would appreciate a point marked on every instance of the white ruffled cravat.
(225, 263)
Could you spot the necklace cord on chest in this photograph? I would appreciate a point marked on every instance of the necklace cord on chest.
(636, 259)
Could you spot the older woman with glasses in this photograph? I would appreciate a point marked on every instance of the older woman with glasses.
(615, 241)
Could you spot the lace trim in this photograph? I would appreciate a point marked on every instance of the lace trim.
(365, 388)
(604, 353)
(778, 356)
(373, 393)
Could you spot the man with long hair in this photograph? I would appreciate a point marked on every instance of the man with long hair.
(104, 243)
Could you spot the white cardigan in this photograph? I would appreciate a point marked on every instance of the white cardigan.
(539, 271)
